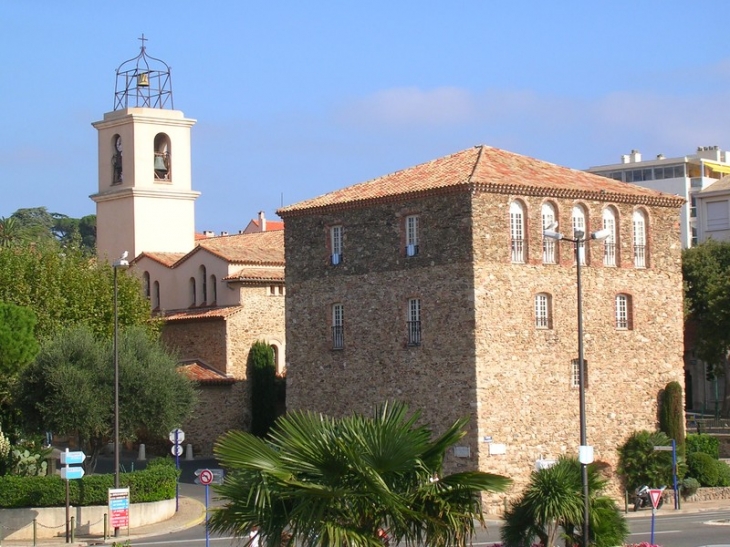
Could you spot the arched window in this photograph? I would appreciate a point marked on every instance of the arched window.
(543, 311)
(162, 157)
(609, 249)
(156, 295)
(204, 284)
(579, 230)
(146, 284)
(548, 244)
(213, 289)
(193, 292)
(640, 249)
(517, 231)
(623, 312)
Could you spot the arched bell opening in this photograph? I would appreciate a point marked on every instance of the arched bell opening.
(117, 173)
(162, 157)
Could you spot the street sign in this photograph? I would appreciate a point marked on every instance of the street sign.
(119, 507)
(72, 458)
(176, 449)
(663, 448)
(177, 436)
(216, 476)
(656, 495)
(205, 477)
(70, 473)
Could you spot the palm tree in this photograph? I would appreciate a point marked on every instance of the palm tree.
(553, 500)
(347, 481)
(8, 231)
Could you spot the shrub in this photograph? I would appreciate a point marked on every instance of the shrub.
(723, 475)
(155, 484)
(704, 468)
(688, 487)
(706, 444)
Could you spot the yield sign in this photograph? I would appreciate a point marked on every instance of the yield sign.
(655, 497)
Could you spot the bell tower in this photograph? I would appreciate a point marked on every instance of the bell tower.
(145, 200)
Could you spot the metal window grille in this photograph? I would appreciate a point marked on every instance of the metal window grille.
(414, 333)
(414, 322)
(338, 326)
(640, 256)
(518, 251)
(548, 244)
(609, 254)
(579, 225)
(639, 240)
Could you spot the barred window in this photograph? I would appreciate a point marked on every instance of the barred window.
(517, 232)
(338, 326)
(414, 322)
(412, 235)
(543, 311)
(579, 225)
(548, 244)
(639, 239)
(575, 373)
(609, 245)
(623, 312)
(336, 244)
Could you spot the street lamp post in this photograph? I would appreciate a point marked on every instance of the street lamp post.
(585, 452)
(120, 263)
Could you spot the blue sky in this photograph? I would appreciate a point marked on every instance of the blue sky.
(295, 99)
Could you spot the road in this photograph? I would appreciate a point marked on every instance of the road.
(670, 530)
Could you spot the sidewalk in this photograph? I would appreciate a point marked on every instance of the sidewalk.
(191, 512)
(685, 507)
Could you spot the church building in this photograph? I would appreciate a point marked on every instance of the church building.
(217, 295)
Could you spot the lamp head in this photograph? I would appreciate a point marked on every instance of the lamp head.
(601, 234)
(552, 234)
(553, 226)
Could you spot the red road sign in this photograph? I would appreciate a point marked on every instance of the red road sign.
(656, 495)
(206, 476)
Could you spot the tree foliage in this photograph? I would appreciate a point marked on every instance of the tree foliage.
(262, 373)
(344, 481)
(69, 388)
(18, 345)
(706, 271)
(37, 224)
(64, 287)
(553, 500)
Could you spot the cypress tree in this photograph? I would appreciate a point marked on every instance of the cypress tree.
(671, 413)
(262, 375)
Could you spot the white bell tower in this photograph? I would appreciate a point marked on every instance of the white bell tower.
(145, 200)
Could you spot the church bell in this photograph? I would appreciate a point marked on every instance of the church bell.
(160, 164)
(143, 80)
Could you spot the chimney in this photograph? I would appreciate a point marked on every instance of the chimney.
(635, 156)
(262, 221)
(224, 233)
(624, 158)
(660, 156)
(209, 233)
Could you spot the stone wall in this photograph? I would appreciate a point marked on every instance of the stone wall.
(481, 355)
(220, 408)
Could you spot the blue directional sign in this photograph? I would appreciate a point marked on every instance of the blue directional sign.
(72, 458)
(70, 473)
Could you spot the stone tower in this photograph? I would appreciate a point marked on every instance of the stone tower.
(145, 200)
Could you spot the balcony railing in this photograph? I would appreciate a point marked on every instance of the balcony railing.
(548, 251)
(338, 337)
(640, 256)
(414, 333)
(518, 251)
(609, 254)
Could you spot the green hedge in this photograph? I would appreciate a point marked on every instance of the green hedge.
(707, 444)
(155, 483)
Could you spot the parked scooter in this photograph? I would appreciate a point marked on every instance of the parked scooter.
(642, 498)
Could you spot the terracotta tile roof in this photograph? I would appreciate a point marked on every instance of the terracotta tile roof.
(271, 225)
(257, 274)
(486, 169)
(255, 248)
(200, 313)
(166, 259)
(199, 372)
